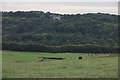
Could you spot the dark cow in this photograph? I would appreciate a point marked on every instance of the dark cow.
(80, 57)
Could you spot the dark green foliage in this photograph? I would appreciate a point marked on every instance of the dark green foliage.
(39, 31)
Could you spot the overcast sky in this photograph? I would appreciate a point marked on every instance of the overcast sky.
(60, 0)
(108, 6)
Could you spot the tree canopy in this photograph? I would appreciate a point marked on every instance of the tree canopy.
(50, 32)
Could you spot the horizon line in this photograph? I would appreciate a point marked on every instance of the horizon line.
(60, 13)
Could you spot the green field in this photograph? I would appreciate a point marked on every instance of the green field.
(27, 65)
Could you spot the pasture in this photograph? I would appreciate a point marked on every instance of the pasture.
(28, 65)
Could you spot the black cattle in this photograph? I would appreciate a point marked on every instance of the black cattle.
(80, 57)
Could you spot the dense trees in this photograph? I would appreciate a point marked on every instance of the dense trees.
(39, 31)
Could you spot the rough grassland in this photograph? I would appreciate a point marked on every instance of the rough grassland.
(27, 65)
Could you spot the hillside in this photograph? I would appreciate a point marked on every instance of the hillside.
(50, 32)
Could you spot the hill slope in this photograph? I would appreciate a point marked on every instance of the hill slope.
(39, 31)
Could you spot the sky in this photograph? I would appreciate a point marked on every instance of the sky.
(62, 7)
(60, 0)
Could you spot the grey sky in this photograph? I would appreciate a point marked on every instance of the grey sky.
(60, 0)
(63, 7)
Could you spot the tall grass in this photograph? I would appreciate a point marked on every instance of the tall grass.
(27, 65)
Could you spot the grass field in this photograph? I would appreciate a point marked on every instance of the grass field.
(27, 65)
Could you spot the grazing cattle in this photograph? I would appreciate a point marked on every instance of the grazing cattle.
(80, 57)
